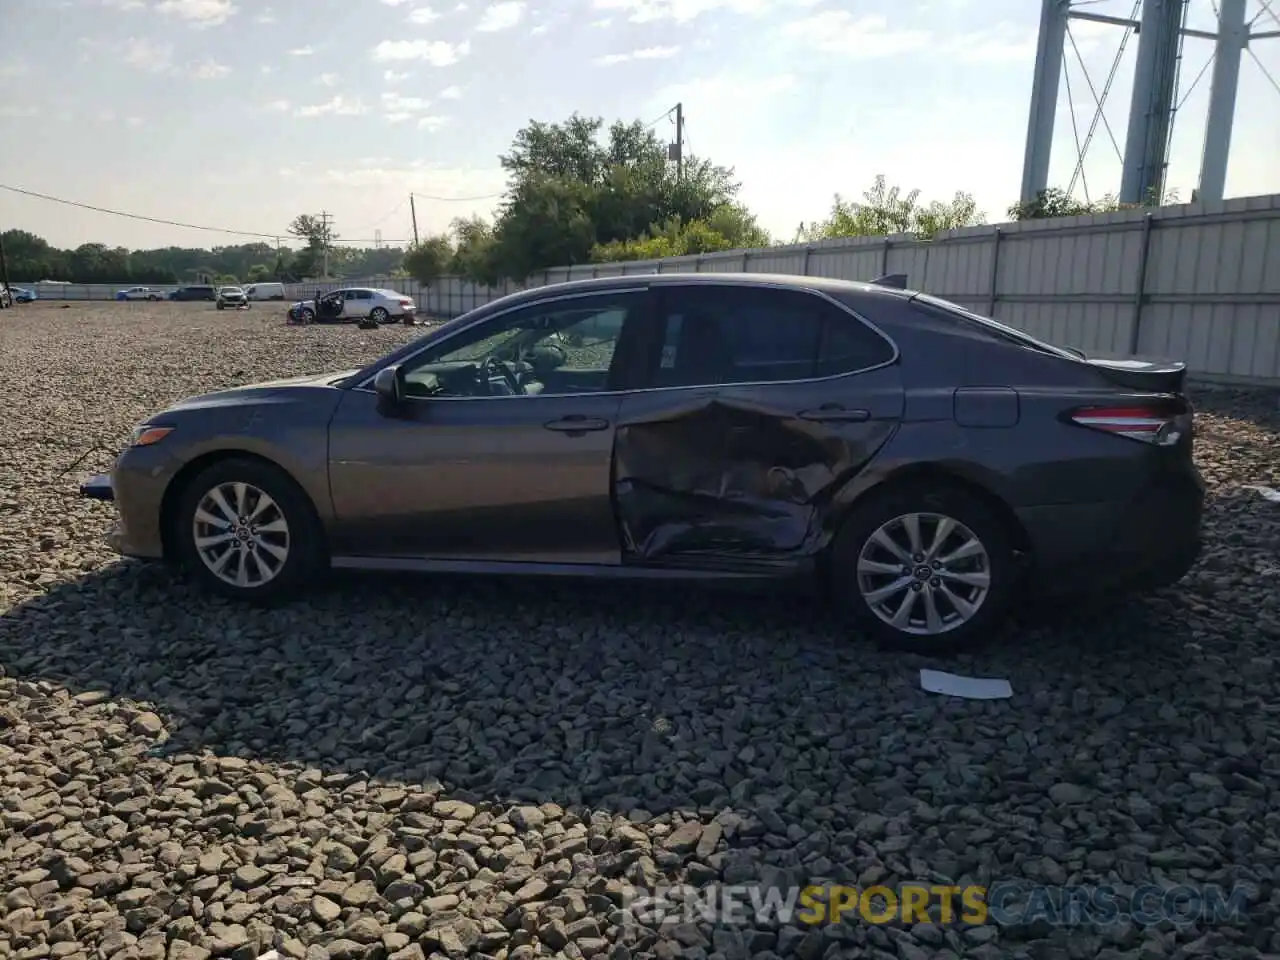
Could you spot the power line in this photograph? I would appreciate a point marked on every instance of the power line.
(256, 234)
(1261, 66)
(487, 196)
(657, 120)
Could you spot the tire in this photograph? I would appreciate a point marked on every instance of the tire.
(302, 539)
(221, 306)
(153, 299)
(306, 316)
(367, 323)
(379, 315)
(855, 544)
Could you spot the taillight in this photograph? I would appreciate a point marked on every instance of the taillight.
(1159, 424)
(406, 303)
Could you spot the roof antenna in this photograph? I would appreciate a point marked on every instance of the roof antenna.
(897, 281)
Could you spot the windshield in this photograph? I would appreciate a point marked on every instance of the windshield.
(995, 327)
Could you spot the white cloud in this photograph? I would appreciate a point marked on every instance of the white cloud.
(277, 106)
(540, 29)
(107, 116)
(438, 53)
(839, 31)
(394, 103)
(8, 110)
(422, 16)
(145, 55)
(267, 68)
(682, 11)
(339, 106)
(648, 53)
(395, 3)
(302, 51)
(266, 16)
(123, 4)
(202, 13)
(451, 93)
(501, 16)
(461, 8)
(14, 68)
(1003, 43)
(392, 76)
(133, 121)
(397, 117)
(328, 79)
(601, 24)
(210, 70)
(432, 123)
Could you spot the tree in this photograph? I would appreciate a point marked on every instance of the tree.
(429, 260)
(473, 251)
(576, 189)
(258, 273)
(885, 210)
(319, 236)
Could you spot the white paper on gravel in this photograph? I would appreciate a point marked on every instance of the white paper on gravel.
(970, 688)
(1267, 493)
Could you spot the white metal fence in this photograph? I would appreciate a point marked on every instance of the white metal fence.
(1196, 282)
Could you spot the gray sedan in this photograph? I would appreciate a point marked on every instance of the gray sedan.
(927, 465)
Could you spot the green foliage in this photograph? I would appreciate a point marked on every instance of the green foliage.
(1056, 202)
(578, 192)
(730, 228)
(429, 260)
(31, 259)
(226, 280)
(885, 210)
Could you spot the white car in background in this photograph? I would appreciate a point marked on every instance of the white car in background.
(139, 293)
(363, 305)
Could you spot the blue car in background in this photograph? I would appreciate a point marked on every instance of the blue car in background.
(22, 294)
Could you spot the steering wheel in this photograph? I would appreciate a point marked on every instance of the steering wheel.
(491, 364)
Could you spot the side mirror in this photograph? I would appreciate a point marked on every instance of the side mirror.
(388, 384)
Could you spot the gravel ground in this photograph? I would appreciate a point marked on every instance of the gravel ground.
(417, 768)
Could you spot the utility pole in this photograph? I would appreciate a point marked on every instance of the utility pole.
(413, 212)
(326, 234)
(679, 141)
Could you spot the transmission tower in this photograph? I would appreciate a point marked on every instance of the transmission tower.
(1160, 30)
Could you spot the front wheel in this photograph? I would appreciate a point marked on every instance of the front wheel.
(379, 315)
(307, 316)
(926, 568)
(247, 531)
(153, 299)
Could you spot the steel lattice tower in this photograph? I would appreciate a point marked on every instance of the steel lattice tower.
(1160, 30)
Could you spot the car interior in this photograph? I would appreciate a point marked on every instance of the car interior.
(567, 352)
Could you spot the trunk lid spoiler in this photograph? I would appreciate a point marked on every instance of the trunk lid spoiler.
(1151, 376)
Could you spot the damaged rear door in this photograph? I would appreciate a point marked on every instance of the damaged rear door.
(762, 403)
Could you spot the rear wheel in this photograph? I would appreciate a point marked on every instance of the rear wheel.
(924, 567)
(245, 530)
(379, 315)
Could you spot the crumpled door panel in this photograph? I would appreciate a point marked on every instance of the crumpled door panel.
(720, 474)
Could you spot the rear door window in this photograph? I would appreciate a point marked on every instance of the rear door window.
(724, 334)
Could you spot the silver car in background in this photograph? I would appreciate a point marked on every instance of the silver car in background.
(363, 305)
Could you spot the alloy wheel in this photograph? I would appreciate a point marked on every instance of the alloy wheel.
(924, 574)
(241, 535)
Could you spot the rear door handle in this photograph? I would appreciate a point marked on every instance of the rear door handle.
(576, 423)
(833, 411)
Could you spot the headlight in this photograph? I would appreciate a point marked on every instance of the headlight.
(146, 435)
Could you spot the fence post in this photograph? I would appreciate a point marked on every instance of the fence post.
(546, 278)
(1139, 295)
(884, 258)
(995, 274)
(746, 259)
(697, 264)
(808, 252)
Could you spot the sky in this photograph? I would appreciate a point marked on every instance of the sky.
(241, 114)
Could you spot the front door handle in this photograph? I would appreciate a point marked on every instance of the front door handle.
(835, 412)
(576, 423)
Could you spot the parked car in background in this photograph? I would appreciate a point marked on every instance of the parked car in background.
(264, 291)
(355, 305)
(199, 291)
(231, 297)
(927, 465)
(139, 293)
(23, 294)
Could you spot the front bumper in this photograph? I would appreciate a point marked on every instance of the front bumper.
(1150, 541)
(136, 486)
